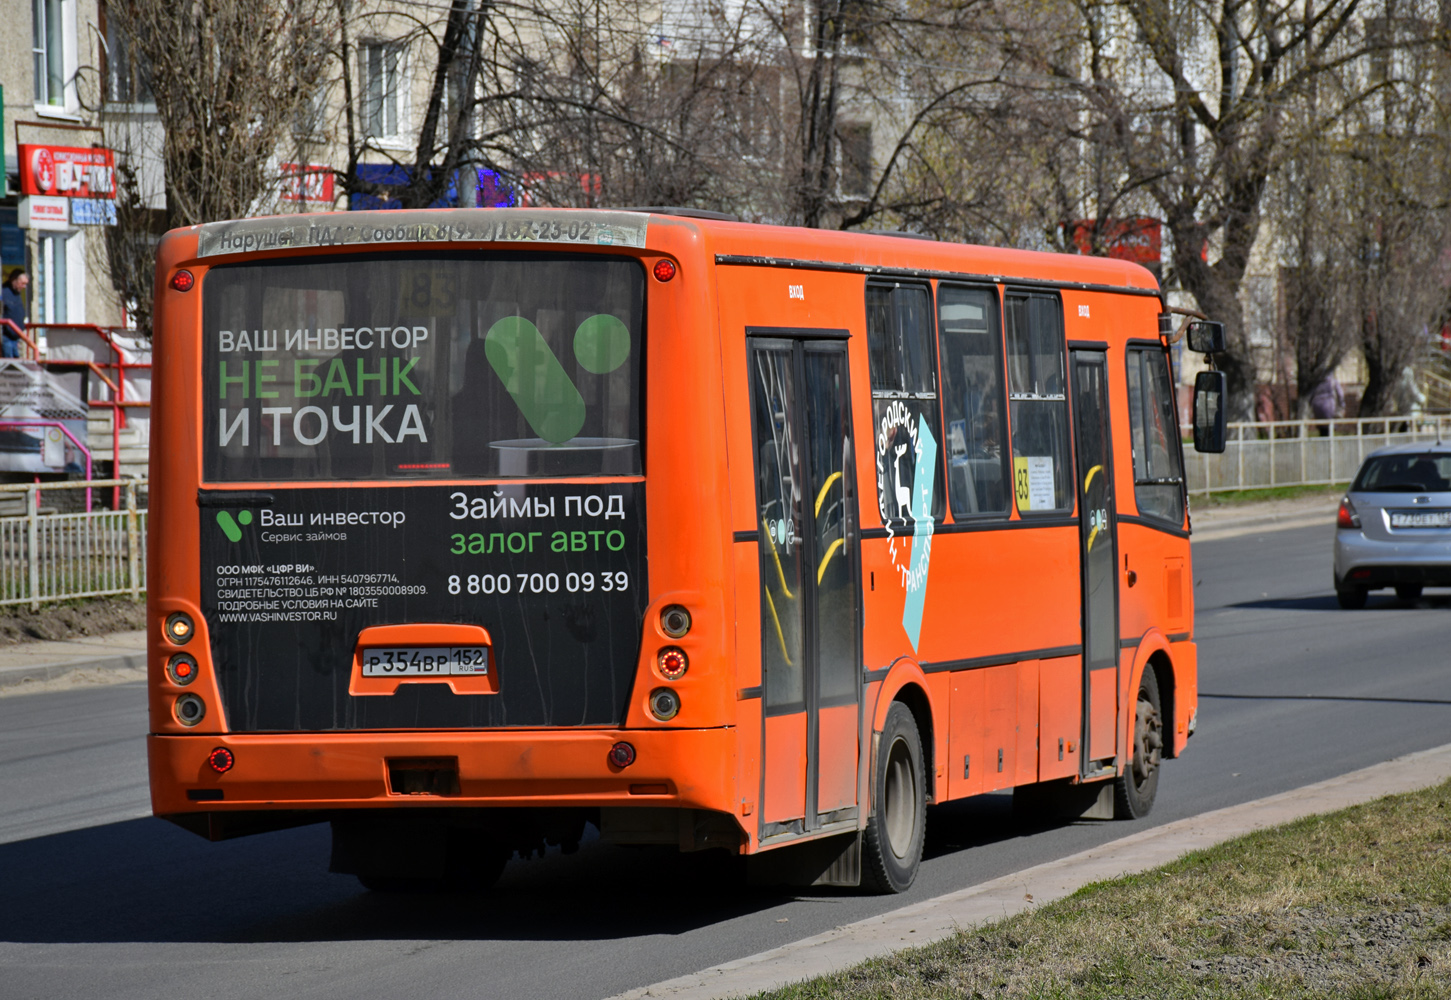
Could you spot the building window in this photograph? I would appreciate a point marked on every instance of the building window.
(48, 49)
(855, 155)
(127, 79)
(381, 65)
(51, 297)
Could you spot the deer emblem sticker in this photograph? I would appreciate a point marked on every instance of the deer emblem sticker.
(906, 478)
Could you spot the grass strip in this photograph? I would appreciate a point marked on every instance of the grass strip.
(1230, 498)
(1354, 904)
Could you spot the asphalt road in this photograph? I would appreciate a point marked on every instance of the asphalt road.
(97, 902)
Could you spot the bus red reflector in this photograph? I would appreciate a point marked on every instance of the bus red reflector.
(221, 760)
(622, 754)
(1360, 574)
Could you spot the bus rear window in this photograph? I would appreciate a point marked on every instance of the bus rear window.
(425, 367)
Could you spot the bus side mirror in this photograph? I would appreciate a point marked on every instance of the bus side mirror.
(1209, 430)
(1206, 336)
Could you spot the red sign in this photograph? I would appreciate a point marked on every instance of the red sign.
(67, 171)
(1137, 240)
(313, 182)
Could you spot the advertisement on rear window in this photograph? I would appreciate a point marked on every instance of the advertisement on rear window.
(388, 371)
(554, 572)
(390, 367)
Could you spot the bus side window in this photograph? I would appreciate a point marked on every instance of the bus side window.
(972, 399)
(1158, 476)
(1037, 406)
(904, 399)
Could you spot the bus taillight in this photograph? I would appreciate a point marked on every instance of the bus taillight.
(675, 621)
(664, 269)
(664, 704)
(221, 760)
(622, 754)
(673, 663)
(182, 669)
(190, 710)
(179, 628)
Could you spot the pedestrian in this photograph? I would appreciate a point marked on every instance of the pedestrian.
(14, 310)
(1327, 401)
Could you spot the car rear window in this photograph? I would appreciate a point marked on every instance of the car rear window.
(1424, 473)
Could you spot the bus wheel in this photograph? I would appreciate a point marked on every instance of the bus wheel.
(1134, 790)
(894, 835)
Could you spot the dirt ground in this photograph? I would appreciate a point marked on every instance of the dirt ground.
(100, 616)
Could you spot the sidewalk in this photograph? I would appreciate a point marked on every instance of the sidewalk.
(1231, 520)
(29, 665)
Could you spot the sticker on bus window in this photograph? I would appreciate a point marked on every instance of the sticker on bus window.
(1033, 482)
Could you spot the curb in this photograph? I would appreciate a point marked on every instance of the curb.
(25, 673)
(936, 919)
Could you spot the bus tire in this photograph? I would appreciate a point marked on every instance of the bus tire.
(1134, 790)
(892, 846)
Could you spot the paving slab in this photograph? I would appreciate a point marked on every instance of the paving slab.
(941, 917)
(28, 663)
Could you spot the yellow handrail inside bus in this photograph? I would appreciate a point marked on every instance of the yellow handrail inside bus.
(780, 635)
(1091, 536)
(785, 589)
(831, 551)
(1089, 478)
(820, 497)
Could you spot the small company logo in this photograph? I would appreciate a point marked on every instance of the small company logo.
(230, 526)
(42, 166)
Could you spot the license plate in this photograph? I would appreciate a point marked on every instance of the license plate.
(1421, 519)
(425, 661)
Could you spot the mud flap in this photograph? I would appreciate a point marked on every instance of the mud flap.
(1050, 800)
(829, 861)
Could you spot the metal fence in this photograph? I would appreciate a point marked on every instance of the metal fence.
(1302, 452)
(47, 556)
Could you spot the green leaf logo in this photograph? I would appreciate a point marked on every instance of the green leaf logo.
(230, 527)
(538, 383)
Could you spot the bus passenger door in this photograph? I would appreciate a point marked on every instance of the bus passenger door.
(1098, 550)
(810, 580)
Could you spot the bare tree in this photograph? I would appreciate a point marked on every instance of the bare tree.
(1186, 112)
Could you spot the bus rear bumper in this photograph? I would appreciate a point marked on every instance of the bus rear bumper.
(341, 771)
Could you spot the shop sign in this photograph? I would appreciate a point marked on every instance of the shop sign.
(307, 182)
(93, 211)
(40, 212)
(67, 171)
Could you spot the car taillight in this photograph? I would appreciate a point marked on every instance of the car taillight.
(1347, 517)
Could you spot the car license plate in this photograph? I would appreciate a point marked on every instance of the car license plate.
(1421, 519)
(425, 661)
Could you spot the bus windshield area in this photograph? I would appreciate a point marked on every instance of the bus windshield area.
(388, 366)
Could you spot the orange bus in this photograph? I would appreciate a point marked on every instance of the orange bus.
(473, 527)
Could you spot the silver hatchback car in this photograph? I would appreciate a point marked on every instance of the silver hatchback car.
(1394, 525)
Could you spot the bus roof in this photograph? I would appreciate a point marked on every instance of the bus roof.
(734, 241)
